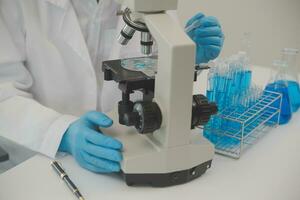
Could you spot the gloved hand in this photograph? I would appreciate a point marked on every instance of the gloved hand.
(208, 37)
(90, 148)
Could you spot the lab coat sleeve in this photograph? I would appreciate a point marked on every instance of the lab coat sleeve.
(28, 123)
(22, 119)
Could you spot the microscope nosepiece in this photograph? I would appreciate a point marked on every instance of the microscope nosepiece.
(126, 35)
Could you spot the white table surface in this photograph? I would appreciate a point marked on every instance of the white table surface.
(270, 170)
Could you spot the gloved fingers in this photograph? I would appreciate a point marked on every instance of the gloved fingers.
(102, 152)
(191, 34)
(195, 18)
(217, 41)
(98, 119)
(209, 21)
(211, 51)
(208, 32)
(93, 168)
(101, 163)
(97, 138)
(222, 39)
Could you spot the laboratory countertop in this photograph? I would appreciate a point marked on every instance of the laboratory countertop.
(269, 170)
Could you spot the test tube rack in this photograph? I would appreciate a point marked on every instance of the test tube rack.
(232, 131)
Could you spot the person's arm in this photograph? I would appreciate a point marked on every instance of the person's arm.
(25, 121)
(22, 119)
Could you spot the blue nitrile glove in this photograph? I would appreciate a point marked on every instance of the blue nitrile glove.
(90, 148)
(208, 37)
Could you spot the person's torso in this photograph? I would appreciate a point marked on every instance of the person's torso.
(65, 65)
(65, 44)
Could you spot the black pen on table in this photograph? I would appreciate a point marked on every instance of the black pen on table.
(63, 175)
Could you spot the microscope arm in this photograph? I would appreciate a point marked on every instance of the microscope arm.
(174, 79)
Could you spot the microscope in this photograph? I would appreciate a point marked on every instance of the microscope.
(161, 146)
(3, 155)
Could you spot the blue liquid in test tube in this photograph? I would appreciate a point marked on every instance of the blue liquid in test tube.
(247, 79)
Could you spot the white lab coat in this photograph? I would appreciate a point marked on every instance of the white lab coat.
(48, 75)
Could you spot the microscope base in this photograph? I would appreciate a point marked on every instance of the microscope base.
(168, 179)
(3, 155)
(147, 162)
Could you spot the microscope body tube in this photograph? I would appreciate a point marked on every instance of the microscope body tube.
(134, 23)
(146, 43)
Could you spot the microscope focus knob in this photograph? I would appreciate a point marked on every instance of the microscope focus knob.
(202, 110)
(150, 117)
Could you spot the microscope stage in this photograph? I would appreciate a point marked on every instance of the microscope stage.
(114, 70)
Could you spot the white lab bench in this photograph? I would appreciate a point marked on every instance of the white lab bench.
(270, 170)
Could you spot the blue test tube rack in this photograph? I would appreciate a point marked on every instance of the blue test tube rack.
(233, 131)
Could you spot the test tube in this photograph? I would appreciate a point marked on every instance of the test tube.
(193, 26)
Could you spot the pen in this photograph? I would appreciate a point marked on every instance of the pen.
(63, 175)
